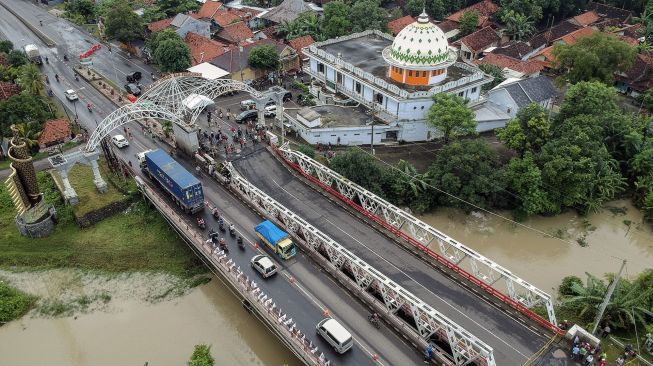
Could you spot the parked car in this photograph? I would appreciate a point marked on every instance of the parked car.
(120, 141)
(249, 115)
(270, 111)
(71, 95)
(263, 265)
(132, 88)
(287, 96)
(247, 104)
(133, 77)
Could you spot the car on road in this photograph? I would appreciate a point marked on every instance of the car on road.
(133, 89)
(71, 95)
(263, 265)
(249, 115)
(133, 77)
(335, 334)
(247, 104)
(120, 141)
(270, 111)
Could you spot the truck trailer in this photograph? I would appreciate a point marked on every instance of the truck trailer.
(276, 239)
(33, 54)
(185, 189)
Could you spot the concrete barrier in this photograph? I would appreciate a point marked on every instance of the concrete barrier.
(42, 36)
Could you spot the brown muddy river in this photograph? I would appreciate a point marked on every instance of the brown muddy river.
(134, 332)
(610, 235)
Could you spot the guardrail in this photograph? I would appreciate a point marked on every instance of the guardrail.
(465, 347)
(281, 323)
(484, 272)
(42, 36)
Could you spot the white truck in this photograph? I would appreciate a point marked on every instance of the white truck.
(33, 54)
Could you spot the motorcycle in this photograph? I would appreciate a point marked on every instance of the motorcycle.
(374, 319)
(241, 245)
(90, 110)
(65, 57)
(223, 245)
(232, 230)
(47, 61)
(216, 214)
(76, 77)
(50, 93)
(56, 77)
(47, 80)
(200, 223)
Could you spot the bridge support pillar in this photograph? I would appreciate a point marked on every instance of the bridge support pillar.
(69, 193)
(100, 184)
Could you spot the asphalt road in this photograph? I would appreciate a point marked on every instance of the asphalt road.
(513, 342)
(313, 290)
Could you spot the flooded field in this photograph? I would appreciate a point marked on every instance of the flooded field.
(133, 327)
(594, 244)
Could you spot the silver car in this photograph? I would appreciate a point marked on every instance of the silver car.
(263, 265)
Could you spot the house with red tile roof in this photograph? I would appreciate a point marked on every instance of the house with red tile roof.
(485, 10)
(395, 26)
(224, 18)
(610, 13)
(638, 79)
(208, 9)
(546, 54)
(8, 90)
(235, 61)
(473, 44)
(236, 33)
(586, 18)
(298, 43)
(55, 131)
(159, 25)
(203, 49)
(512, 67)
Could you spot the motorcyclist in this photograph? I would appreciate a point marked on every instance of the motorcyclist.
(56, 76)
(41, 23)
(216, 214)
(232, 228)
(239, 240)
(65, 57)
(89, 107)
(47, 61)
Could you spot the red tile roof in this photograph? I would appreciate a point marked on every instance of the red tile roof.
(640, 75)
(245, 12)
(203, 49)
(586, 18)
(8, 90)
(573, 37)
(224, 18)
(484, 8)
(236, 33)
(529, 67)
(159, 25)
(448, 25)
(481, 39)
(397, 25)
(209, 8)
(301, 42)
(54, 130)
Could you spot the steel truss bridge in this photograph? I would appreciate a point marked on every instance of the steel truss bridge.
(164, 101)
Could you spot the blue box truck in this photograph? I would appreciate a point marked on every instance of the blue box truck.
(276, 239)
(185, 189)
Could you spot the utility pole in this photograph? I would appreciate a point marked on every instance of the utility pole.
(606, 300)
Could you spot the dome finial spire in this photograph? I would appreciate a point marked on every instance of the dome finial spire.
(423, 18)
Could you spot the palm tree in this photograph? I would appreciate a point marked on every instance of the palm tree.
(518, 26)
(30, 79)
(27, 133)
(287, 29)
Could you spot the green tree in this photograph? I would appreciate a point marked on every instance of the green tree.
(17, 58)
(23, 108)
(532, 8)
(264, 58)
(83, 8)
(434, 8)
(172, 55)
(6, 46)
(367, 15)
(335, 21)
(157, 38)
(307, 150)
(362, 169)
(451, 116)
(591, 98)
(468, 169)
(122, 24)
(30, 79)
(468, 22)
(174, 7)
(518, 26)
(153, 13)
(494, 71)
(201, 356)
(408, 188)
(523, 178)
(29, 133)
(595, 57)
(528, 131)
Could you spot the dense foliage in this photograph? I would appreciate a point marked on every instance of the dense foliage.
(201, 356)
(468, 22)
(13, 303)
(451, 116)
(169, 51)
(264, 57)
(122, 24)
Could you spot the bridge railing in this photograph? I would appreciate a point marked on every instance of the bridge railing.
(482, 271)
(398, 302)
(281, 323)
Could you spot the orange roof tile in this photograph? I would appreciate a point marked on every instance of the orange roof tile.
(586, 18)
(54, 130)
(573, 37)
(209, 8)
(484, 8)
(397, 25)
(224, 18)
(301, 42)
(203, 49)
(236, 33)
(8, 90)
(526, 67)
(481, 39)
(159, 25)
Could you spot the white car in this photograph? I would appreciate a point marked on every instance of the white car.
(120, 141)
(71, 95)
(264, 265)
(270, 111)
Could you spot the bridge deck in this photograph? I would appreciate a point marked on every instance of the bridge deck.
(513, 342)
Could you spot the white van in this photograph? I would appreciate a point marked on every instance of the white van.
(335, 334)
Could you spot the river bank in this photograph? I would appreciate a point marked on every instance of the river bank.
(148, 318)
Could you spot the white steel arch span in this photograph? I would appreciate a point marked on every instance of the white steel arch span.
(125, 114)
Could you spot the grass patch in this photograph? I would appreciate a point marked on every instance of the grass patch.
(4, 164)
(136, 240)
(81, 178)
(13, 303)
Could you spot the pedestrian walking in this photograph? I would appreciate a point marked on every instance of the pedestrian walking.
(589, 360)
(575, 352)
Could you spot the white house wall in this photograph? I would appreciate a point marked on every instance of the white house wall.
(503, 100)
(348, 135)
